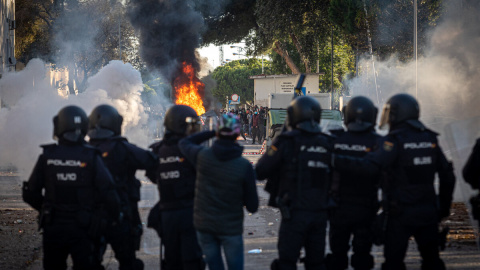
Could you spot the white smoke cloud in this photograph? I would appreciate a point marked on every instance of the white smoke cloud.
(26, 122)
(448, 73)
(448, 83)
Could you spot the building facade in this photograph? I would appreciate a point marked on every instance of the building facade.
(7, 36)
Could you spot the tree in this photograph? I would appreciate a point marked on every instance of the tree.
(233, 78)
(300, 22)
(232, 25)
(34, 24)
(80, 35)
(390, 23)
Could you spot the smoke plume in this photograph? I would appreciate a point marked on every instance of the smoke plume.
(448, 79)
(26, 121)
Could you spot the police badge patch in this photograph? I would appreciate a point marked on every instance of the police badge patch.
(387, 146)
(272, 150)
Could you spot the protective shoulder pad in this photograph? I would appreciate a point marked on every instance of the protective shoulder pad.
(118, 138)
(290, 133)
(48, 147)
(337, 132)
(156, 145)
(92, 148)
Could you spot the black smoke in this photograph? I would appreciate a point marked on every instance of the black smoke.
(170, 31)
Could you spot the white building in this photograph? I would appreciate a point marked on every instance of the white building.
(7, 36)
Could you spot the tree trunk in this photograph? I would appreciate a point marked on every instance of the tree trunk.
(300, 51)
(71, 78)
(283, 53)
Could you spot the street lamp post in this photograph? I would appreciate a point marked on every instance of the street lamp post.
(241, 48)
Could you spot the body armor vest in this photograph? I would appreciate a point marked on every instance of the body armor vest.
(304, 181)
(175, 177)
(354, 188)
(69, 173)
(414, 172)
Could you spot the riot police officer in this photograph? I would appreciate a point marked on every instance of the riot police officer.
(123, 159)
(175, 177)
(355, 195)
(68, 183)
(410, 156)
(471, 174)
(298, 170)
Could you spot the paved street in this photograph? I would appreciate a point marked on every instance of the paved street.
(261, 230)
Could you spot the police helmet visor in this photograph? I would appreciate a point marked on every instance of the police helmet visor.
(194, 125)
(385, 118)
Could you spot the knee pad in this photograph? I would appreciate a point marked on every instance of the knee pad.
(335, 262)
(274, 265)
(362, 261)
(394, 267)
(437, 265)
(138, 264)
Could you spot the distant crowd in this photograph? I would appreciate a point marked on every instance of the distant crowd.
(253, 122)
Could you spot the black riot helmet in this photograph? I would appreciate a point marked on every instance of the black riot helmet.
(105, 121)
(360, 114)
(399, 108)
(181, 120)
(304, 113)
(71, 124)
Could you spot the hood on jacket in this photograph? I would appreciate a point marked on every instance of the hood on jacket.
(225, 149)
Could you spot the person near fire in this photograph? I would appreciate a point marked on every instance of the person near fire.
(225, 183)
(69, 182)
(123, 159)
(410, 157)
(172, 216)
(355, 195)
(298, 169)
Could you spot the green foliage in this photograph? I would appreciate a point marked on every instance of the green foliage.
(390, 23)
(343, 63)
(236, 22)
(233, 78)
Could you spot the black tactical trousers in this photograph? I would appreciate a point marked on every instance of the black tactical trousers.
(182, 251)
(396, 244)
(121, 239)
(305, 229)
(345, 221)
(61, 238)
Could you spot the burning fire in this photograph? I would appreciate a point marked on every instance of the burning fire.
(188, 89)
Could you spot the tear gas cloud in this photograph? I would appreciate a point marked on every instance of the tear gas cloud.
(27, 123)
(448, 73)
(448, 82)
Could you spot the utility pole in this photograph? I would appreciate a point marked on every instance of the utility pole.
(332, 71)
(415, 44)
(220, 56)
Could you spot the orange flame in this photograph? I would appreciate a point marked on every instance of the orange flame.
(188, 88)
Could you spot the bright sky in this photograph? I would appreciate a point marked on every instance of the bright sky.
(213, 53)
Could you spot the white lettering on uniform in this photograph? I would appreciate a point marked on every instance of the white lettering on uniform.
(170, 175)
(170, 160)
(69, 163)
(422, 160)
(67, 176)
(355, 147)
(314, 149)
(317, 164)
(421, 145)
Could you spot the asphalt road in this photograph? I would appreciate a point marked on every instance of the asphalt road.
(260, 231)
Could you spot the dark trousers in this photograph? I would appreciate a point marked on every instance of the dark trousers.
(63, 238)
(261, 133)
(180, 240)
(304, 229)
(255, 132)
(122, 240)
(396, 244)
(345, 221)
